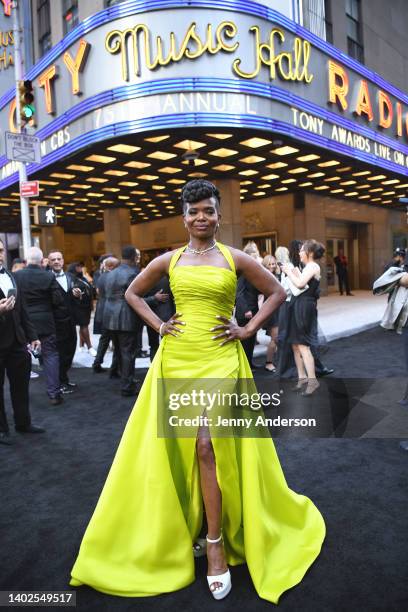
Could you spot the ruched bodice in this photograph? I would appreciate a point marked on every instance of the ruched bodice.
(201, 293)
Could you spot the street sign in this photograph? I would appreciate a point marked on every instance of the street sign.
(23, 147)
(29, 189)
(45, 215)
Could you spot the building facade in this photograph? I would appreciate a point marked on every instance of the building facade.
(296, 109)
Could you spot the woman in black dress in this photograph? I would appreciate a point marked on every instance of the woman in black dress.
(303, 314)
(83, 307)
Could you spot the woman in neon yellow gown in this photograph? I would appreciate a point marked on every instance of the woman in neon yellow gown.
(139, 539)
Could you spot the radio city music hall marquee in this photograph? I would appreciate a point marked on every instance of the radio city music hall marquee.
(198, 65)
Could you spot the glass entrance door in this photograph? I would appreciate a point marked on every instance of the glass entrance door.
(333, 245)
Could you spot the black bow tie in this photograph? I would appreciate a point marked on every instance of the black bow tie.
(2, 270)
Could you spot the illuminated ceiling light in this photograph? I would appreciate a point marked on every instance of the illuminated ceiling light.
(80, 186)
(363, 197)
(157, 138)
(148, 177)
(220, 136)
(223, 152)
(172, 207)
(288, 181)
(387, 201)
(223, 167)
(137, 164)
(286, 150)
(348, 183)
(160, 195)
(391, 182)
(70, 213)
(196, 175)
(49, 183)
(401, 186)
(375, 199)
(249, 172)
(363, 186)
(345, 169)
(386, 193)
(375, 190)
(306, 158)
(138, 192)
(327, 164)
(122, 197)
(104, 201)
(81, 199)
(265, 186)
(65, 191)
(332, 179)
(61, 175)
(149, 205)
(255, 142)
(377, 177)
(362, 173)
(276, 165)
(315, 175)
(163, 155)
(337, 191)
(321, 187)
(175, 181)
(269, 177)
(282, 189)
(112, 189)
(128, 183)
(170, 170)
(96, 205)
(81, 168)
(96, 179)
(298, 170)
(246, 182)
(116, 172)
(94, 194)
(252, 159)
(349, 194)
(177, 190)
(243, 190)
(137, 209)
(259, 193)
(190, 144)
(101, 159)
(158, 187)
(123, 148)
(50, 197)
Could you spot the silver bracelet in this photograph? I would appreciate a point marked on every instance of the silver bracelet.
(160, 329)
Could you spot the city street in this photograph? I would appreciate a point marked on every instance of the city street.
(51, 484)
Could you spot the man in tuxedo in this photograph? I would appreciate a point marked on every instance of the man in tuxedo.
(16, 330)
(121, 320)
(43, 298)
(109, 264)
(65, 321)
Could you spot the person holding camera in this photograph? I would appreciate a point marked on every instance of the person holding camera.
(43, 299)
(16, 331)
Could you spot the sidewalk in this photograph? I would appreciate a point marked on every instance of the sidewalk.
(339, 317)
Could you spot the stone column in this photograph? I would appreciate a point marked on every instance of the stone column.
(230, 231)
(117, 230)
(52, 239)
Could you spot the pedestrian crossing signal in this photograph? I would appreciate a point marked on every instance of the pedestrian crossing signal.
(27, 108)
(45, 215)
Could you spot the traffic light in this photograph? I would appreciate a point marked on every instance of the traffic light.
(27, 108)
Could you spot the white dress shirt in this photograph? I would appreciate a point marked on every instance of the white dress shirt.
(62, 280)
(5, 282)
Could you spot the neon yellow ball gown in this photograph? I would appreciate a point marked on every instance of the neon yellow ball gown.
(139, 539)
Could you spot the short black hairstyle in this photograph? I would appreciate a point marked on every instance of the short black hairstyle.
(197, 190)
(128, 252)
(18, 260)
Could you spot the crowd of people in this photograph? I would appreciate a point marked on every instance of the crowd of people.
(47, 306)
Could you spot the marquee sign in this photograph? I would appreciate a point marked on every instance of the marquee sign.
(130, 69)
